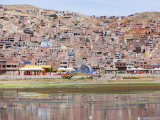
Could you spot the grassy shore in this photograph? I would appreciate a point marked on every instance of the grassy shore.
(83, 82)
(108, 87)
(51, 85)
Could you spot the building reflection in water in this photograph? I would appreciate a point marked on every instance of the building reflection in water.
(15, 106)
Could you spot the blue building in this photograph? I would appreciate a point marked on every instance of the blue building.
(46, 44)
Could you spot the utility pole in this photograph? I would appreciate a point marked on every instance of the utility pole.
(1, 68)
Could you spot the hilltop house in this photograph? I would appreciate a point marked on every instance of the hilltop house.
(1, 7)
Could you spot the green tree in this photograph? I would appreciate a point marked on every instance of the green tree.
(55, 36)
(123, 56)
(76, 22)
(48, 69)
(146, 33)
(54, 15)
(87, 40)
(19, 22)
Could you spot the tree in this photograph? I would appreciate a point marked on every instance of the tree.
(146, 33)
(55, 36)
(19, 22)
(149, 33)
(144, 51)
(35, 42)
(48, 69)
(87, 40)
(76, 23)
(54, 15)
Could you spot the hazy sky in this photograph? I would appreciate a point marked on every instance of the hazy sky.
(93, 7)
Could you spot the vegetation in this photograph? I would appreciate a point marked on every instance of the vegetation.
(150, 20)
(37, 27)
(19, 22)
(54, 15)
(120, 72)
(98, 24)
(87, 40)
(48, 69)
(128, 20)
(147, 16)
(55, 36)
(123, 56)
(35, 42)
(146, 33)
(76, 22)
(139, 77)
(131, 77)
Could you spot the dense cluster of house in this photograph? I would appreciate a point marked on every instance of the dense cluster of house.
(62, 39)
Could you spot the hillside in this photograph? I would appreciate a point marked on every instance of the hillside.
(22, 7)
(149, 16)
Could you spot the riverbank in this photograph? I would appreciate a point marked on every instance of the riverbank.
(47, 81)
(105, 87)
(82, 79)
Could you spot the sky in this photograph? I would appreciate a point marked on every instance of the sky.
(93, 7)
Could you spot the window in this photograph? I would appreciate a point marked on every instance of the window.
(8, 66)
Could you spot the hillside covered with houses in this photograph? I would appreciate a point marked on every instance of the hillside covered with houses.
(36, 36)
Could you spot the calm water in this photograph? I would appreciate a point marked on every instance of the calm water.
(48, 105)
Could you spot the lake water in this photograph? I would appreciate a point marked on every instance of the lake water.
(59, 105)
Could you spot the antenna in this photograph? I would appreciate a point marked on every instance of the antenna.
(119, 8)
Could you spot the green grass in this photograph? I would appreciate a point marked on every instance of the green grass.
(14, 85)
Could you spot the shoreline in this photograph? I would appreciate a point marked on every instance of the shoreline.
(52, 82)
(65, 88)
(28, 83)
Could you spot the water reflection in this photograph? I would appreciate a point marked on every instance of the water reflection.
(15, 105)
